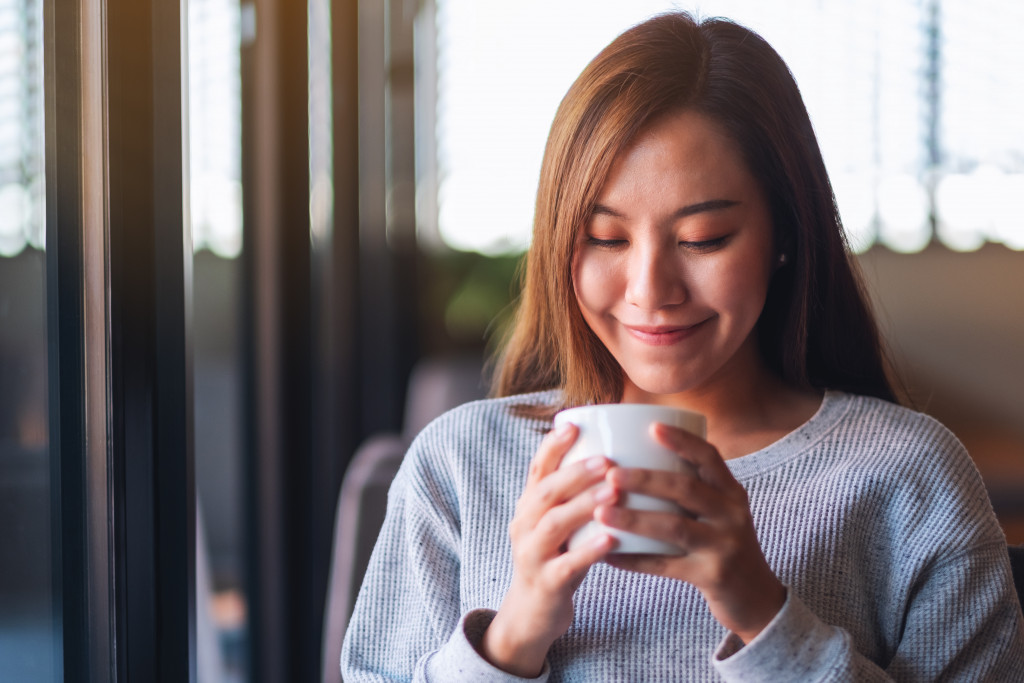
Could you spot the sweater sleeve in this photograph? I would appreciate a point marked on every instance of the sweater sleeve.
(963, 623)
(940, 576)
(407, 624)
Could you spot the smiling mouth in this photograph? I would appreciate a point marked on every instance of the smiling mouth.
(663, 335)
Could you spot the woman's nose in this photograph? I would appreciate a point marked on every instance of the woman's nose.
(655, 278)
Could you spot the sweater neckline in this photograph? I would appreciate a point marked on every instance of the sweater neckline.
(834, 405)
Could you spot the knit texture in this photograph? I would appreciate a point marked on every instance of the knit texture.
(873, 516)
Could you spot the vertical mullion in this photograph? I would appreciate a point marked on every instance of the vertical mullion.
(344, 266)
(387, 228)
(173, 445)
(75, 136)
(150, 290)
(96, 334)
(279, 279)
(261, 275)
(296, 458)
(63, 273)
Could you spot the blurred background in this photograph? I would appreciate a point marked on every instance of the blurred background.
(359, 181)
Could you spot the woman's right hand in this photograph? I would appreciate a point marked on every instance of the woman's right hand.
(538, 606)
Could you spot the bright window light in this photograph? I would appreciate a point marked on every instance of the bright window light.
(900, 97)
(215, 120)
(22, 211)
(15, 209)
(1008, 212)
(855, 195)
(903, 210)
(962, 226)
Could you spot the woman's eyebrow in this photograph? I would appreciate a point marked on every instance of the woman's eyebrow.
(602, 210)
(700, 207)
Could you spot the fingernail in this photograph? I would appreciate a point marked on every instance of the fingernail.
(611, 513)
(604, 494)
(563, 430)
(596, 463)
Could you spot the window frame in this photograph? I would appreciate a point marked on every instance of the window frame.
(119, 315)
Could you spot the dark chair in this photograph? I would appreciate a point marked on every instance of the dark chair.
(1017, 565)
(435, 386)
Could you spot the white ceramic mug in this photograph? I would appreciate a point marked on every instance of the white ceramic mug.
(621, 433)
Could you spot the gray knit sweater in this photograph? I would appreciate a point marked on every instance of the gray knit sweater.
(873, 516)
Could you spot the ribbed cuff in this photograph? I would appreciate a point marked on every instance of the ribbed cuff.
(460, 660)
(795, 646)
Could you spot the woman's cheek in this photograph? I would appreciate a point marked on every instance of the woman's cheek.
(595, 282)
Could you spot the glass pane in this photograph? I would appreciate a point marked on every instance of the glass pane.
(982, 124)
(28, 639)
(915, 103)
(216, 210)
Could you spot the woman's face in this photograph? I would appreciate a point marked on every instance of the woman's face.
(672, 269)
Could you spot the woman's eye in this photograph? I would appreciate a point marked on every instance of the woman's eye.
(705, 245)
(607, 244)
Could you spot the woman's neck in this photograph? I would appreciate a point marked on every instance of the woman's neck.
(745, 411)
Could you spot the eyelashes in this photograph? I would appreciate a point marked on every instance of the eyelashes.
(605, 244)
(706, 245)
(698, 246)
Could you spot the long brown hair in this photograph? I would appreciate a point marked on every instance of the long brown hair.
(816, 329)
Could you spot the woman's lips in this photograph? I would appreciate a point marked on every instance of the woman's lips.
(662, 335)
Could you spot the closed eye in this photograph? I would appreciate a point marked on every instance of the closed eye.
(703, 246)
(605, 244)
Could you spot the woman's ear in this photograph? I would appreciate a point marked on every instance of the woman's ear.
(784, 250)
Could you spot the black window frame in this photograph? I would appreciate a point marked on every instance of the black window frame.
(119, 316)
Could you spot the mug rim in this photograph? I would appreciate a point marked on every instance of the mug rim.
(565, 415)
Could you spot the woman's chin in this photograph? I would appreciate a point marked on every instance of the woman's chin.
(650, 389)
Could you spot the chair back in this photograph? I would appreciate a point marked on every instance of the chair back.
(436, 385)
(1017, 565)
(358, 518)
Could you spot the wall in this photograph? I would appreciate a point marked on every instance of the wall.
(955, 322)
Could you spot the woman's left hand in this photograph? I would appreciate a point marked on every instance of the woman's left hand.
(722, 557)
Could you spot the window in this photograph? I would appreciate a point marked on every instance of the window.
(28, 629)
(215, 125)
(215, 193)
(21, 126)
(915, 102)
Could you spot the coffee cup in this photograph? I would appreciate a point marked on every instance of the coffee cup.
(621, 432)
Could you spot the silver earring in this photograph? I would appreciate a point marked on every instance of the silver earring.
(782, 259)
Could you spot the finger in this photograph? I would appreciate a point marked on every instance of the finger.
(569, 568)
(558, 487)
(684, 489)
(703, 456)
(559, 523)
(659, 565)
(553, 448)
(684, 532)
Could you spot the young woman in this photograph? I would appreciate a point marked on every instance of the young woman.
(687, 251)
